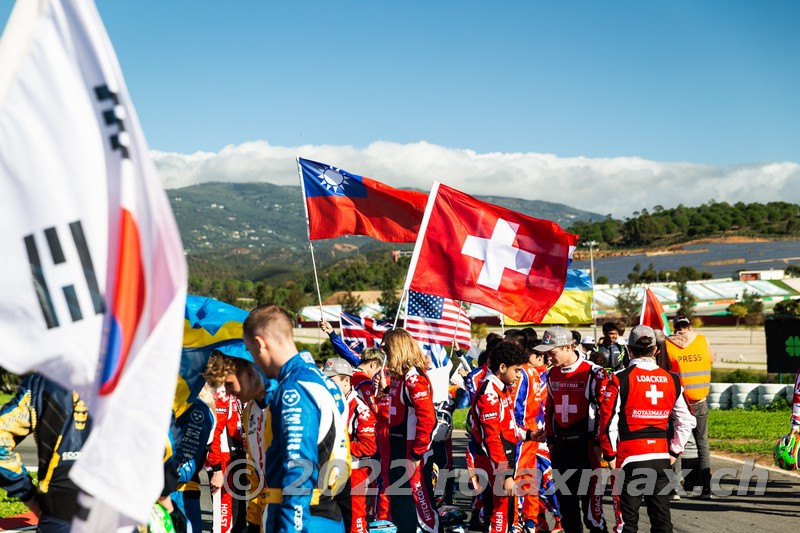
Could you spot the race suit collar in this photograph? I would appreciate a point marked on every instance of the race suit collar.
(297, 361)
(647, 363)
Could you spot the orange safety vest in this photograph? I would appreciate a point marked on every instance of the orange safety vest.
(693, 365)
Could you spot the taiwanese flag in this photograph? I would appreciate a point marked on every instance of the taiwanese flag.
(340, 203)
(477, 252)
(653, 314)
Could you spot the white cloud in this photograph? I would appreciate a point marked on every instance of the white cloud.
(618, 185)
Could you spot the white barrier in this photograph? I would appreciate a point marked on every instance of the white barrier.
(741, 395)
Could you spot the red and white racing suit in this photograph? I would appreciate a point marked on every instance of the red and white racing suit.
(226, 442)
(497, 434)
(361, 428)
(412, 419)
(640, 401)
(573, 398)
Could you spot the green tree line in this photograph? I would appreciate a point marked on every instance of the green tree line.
(713, 219)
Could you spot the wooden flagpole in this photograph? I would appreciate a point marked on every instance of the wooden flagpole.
(310, 242)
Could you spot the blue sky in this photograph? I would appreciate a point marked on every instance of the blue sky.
(700, 81)
(704, 82)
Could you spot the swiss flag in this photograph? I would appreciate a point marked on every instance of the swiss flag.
(653, 314)
(477, 252)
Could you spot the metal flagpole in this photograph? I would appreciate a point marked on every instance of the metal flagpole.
(592, 244)
(399, 307)
(420, 237)
(310, 242)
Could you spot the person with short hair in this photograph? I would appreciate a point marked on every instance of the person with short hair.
(691, 356)
(528, 395)
(412, 419)
(497, 434)
(640, 402)
(242, 379)
(575, 388)
(611, 353)
(226, 448)
(308, 435)
(361, 429)
(587, 348)
(472, 384)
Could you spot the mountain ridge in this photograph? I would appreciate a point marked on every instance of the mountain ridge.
(257, 230)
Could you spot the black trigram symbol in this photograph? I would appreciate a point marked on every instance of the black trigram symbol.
(57, 254)
(114, 117)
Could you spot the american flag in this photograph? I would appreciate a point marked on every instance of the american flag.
(433, 319)
(360, 332)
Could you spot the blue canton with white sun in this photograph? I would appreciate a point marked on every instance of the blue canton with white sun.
(320, 179)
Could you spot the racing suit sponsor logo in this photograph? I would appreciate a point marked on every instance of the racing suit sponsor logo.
(421, 394)
(651, 379)
(196, 417)
(488, 416)
(291, 397)
(424, 505)
(558, 385)
(650, 413)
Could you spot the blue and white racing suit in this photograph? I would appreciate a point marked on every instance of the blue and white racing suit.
(308, 453)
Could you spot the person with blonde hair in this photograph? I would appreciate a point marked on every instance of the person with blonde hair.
(411, 420)
(308, 454)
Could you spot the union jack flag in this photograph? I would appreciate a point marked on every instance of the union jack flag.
(360, 332)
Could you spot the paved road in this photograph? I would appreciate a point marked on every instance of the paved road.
(777, 509)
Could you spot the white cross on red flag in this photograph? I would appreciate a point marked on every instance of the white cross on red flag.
(477, 252)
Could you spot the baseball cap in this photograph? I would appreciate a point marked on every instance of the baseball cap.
(588, 339)
(681, 320)
(642, 337)
(336, 366)
(553, 338)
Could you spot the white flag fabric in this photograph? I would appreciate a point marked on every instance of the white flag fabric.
(94, 276)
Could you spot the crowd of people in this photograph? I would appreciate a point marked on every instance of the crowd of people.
(364, 443)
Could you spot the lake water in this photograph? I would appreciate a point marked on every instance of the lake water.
(749, 256)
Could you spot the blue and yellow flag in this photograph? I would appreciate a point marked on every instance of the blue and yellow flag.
(208, 325)
(575, 304)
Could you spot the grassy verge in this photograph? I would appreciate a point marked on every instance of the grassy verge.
(4, 397)
(747, 431)
(460, 418)
(12, 506)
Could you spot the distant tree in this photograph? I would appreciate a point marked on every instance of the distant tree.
(246, 288)
(478, 331)
(263, 293)
(686, 300)
(649, 274)
(793, 271)
(230, 291)
(787, 307)
(738, 310)
(295, 300)
(199, 285)
(635, 275)
(755, 311)
(388, 301)
(602, 280)
(628, 304)
(351, 304)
